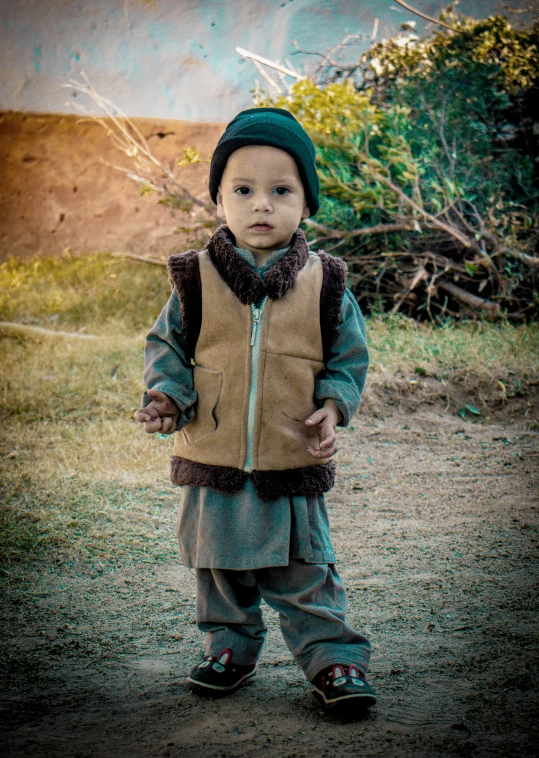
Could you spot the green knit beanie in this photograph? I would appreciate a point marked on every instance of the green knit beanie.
(268, 126)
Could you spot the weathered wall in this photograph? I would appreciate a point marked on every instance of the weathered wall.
(56, 192)
(176, 58)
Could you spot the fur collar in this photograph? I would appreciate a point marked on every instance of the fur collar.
(245, 283)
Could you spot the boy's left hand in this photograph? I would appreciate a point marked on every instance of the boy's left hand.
(326, 419)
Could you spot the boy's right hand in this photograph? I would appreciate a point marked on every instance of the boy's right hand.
(160, 415)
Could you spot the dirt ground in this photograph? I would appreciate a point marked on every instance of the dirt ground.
(434, 520)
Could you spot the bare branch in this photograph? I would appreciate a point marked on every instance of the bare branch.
(328, 62)
(268, 78)
(439, 126)
(406, 226)
(531, 260)
(452, 231)
(135, 177)
(292, 68)
(129, 139)
(37, 331)
(141, 258)
(468, 298)
(271, 64)
(419, 276)
(285, 84)
(424, 15)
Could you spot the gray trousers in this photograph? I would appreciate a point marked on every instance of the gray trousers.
(310, 600)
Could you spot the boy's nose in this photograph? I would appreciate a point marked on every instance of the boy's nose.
(261, 201)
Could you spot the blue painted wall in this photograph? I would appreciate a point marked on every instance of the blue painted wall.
(175, 58)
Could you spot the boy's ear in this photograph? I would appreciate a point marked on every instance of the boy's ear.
(220, 209)
(306, 212)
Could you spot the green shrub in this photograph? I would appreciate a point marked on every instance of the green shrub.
(434, 149)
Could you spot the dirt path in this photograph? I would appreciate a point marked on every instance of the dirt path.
(435, 525)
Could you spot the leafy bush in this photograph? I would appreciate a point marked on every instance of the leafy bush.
(427, 154)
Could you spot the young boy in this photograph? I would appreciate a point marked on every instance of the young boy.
(258, 355)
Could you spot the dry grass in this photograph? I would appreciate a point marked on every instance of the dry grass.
(78, 478)
(400, 344)
(99, 293)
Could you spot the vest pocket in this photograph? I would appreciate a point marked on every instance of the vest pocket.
(207, 384)
(287, 401)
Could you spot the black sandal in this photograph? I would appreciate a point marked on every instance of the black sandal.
(339, 684)
(218, 675)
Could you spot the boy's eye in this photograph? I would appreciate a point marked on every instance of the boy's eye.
(282, 191)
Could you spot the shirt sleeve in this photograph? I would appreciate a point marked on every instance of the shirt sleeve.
(343, 377)
(166, 366)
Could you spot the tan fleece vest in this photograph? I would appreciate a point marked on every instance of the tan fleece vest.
(290, 358)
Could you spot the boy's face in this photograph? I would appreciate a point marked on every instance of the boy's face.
(261, 198)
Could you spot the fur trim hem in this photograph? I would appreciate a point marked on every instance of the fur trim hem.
(184, 276)
(221, 478)
(244, 282)
(310, 480)
(333, 287)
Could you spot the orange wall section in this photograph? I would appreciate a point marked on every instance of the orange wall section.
(56, 191)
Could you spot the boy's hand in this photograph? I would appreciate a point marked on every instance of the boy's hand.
(160, 415)
(326, 419)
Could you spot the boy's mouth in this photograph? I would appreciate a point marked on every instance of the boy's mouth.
(261, 227)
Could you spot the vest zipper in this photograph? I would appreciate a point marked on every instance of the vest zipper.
(257, 314)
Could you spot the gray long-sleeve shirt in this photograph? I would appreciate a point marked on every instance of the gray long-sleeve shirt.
(241, 531)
